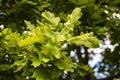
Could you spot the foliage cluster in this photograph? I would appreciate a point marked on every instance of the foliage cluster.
(39, 35)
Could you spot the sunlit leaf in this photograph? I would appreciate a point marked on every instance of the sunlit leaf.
(74, 16)
(51, 50)
(29, 25)
(51, 18)
(86, 39)
(36, 62)
(45, 59)
(13, 38)
(55, 36)
(72, 21)
(28, 41)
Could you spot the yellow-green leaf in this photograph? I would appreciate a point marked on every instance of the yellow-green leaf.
(28, 41)
(36, 62)
(86, 39)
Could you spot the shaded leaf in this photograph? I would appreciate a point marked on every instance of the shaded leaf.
(20, 64)
(65, 64)
(4, 67)
(39, 74)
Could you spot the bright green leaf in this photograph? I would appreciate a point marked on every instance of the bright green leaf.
(51, 18)
(36, 62)
(13, 37)
(29, 25)
(28, 41)
(76, 14)
(45, 59)
(51, 50)
(86, 39)
(55, 36)
(72, 21)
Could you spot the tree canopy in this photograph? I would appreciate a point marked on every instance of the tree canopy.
(37, 38)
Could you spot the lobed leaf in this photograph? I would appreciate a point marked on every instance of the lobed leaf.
(51, 18)
(85, 39)
(39, 74)
(72, 21)
(67, 64)
(36, 62)
(51, 51)
(28, 41)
